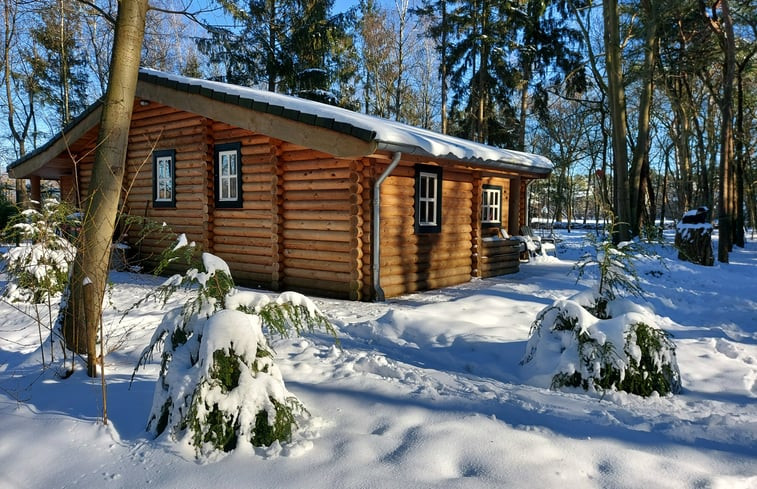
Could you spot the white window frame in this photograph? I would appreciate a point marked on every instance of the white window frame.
(164, 179)
(491, 205)
(228, 183)
(428, 199)
(427, 205)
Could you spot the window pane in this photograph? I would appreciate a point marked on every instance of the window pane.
(232, 188)
(224, 188)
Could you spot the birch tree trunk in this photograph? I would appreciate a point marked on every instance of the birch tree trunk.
(87, 288)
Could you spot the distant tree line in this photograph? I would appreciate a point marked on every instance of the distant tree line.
(646, 107)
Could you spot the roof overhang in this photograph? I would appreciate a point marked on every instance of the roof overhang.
(309, 124)
(57, 156)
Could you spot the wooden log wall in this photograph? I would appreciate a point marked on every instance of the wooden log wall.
(306, 221)
(156, 127)
(322, 222)
(499, 257)
(246, 237)
(410, 261)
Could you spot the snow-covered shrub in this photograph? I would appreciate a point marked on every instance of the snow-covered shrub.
(219, 387)
(600, 341)
(626, 350)
(38, 267)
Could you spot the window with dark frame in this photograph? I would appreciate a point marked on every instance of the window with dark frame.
(228, 175)
(428, 199)
(491, 206)
(164, 178)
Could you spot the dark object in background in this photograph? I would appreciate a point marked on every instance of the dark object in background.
(695, 216)
(694, 237)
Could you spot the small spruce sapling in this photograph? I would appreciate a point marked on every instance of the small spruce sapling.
(38, 266)
(599, 341)
(219, 387)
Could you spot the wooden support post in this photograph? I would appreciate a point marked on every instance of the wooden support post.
(36, 193)
(356, 230)
(208, 199)
(513, 207)
(278, 246)
(476, 225)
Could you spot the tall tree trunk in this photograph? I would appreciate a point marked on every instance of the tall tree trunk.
(90, 270)
(641, 151)
(527, 73)
(723, 28)
(617, 102)
(443, 67)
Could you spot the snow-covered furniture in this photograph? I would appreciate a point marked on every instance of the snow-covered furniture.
(538, 244)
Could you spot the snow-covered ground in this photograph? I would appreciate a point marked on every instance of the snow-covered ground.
(425, 392)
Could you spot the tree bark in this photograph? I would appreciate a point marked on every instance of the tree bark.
(617, 102)
(723, 28)
(640, 160)
(90, 270)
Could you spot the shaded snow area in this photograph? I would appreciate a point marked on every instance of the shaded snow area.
(425, 391)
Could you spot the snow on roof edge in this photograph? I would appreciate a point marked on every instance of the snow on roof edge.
(386, 132)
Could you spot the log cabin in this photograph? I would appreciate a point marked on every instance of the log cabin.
(299, 195)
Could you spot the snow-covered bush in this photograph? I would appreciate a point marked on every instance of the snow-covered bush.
(600, 341)
(625, 350)
(219, 387)
(38, 266)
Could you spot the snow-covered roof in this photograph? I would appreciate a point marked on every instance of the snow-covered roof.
(374, 133)
(389, 135)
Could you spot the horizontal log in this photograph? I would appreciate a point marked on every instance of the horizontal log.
(238, 257)
(329, 276)
(319, 174)
(315, 265)
(295, 246)
(319, 164)
(151, 110)
(257, 220)
(504, 258)
(447, 276)
(397, 266)
(253, 280)
(149, 129)
(182, 141)
(455, 239)
(317, 235)
(251, 232)
(405, 225)
(343, 205)
(164, 118)
(332, 184)
(497, 273)
(315, 215)
(237, 267)
(322, 255)
(316, 195)
(255, 151)
(423, 254)
(297, 153)
(315, 225)
(321, 288)
(246, 244)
